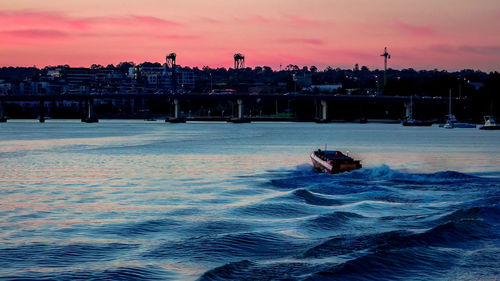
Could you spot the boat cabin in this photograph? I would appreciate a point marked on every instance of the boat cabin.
(331, 155)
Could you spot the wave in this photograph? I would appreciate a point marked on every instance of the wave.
(314, 199)
(212, 248)
(217, 227)
(28, 255)
(130, 229)
(120, 273)
(332, 220)
(450, 234)
(368, 180)
(231, 271)
(399, 264)
(384, 172)
(489, 214)
(274, 210)
(252, 271)
(379, 256)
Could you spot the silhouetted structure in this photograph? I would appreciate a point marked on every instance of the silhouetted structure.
(476, 92)
(172, 65)
(239, 61)
(386, 56)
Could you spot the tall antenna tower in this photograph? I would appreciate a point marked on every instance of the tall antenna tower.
(239, 61)
(172, 65)
(386, 56)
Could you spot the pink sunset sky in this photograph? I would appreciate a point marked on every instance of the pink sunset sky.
(423, 34)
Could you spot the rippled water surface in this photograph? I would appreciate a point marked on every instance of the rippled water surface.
(127, 200)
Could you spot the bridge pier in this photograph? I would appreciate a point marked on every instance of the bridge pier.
(241, 114)
(324, 112)
(3, 119)
(240, 109)
(177, 111)
(89, 114)
(41, 118)
(132, 106)
(408, 109)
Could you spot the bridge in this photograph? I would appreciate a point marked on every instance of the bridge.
(307, 107)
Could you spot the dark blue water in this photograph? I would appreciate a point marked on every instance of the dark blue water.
(135, 201)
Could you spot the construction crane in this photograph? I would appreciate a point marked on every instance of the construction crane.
(386, 56)
(239, 61)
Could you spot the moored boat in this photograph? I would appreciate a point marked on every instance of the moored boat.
(489, 124)
(333, 162)
(453, 123)
(410, 122)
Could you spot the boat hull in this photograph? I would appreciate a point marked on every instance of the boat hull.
(417, 124)
(489, 128)
(457, 125)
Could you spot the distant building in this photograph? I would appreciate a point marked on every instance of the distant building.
(79, 80)
(159, 78)
(303, 81)
(5, 88)
(185, 79)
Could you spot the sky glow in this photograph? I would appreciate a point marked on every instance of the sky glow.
(424, 34)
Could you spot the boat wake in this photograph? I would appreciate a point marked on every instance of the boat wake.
(369, 224)
(374, 223)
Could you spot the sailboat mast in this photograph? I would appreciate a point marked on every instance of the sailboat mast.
(411, 107)
(449, 104)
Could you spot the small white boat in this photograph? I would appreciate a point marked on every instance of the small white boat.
(489, 124)
(453, 123)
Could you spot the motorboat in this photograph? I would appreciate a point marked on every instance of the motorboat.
(489, 124)
(333, 162)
